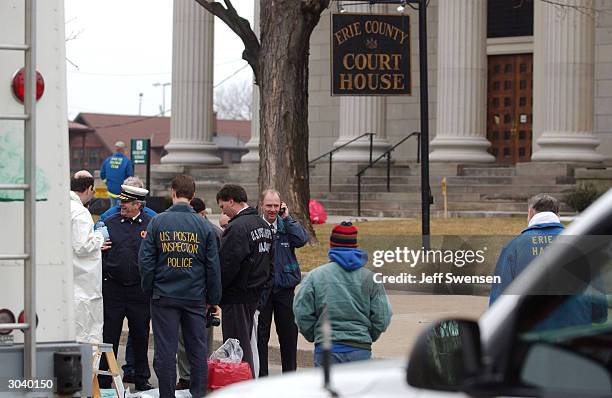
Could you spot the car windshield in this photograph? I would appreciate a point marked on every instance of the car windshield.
(565, 333)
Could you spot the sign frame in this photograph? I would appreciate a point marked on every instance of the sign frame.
(408, 51)
(142, 157)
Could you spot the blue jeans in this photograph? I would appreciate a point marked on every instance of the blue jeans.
(342, 357)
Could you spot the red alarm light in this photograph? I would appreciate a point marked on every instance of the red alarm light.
(6, 316)
(19, 85)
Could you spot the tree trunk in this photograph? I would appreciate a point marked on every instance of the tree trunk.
(286, 27)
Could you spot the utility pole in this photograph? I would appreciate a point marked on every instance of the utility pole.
(163, 86)
(140, 104)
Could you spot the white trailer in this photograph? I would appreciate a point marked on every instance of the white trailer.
(36, 273)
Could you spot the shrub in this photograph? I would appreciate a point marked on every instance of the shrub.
(582, 197)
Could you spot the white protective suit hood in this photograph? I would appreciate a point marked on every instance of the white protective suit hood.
(87, 268)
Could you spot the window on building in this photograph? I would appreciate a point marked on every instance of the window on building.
(93, 157)
(509, 18)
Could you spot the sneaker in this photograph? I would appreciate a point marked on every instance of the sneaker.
(183, 384)
(128, 378)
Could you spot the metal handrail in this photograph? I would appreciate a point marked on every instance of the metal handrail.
(14, 326)
(330, 154)
(387, 153)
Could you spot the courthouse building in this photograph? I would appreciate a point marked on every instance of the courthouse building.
(511, 82)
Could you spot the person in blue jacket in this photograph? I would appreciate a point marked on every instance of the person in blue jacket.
(179, 270)
(128, 367)
(287, 235)
(114, 170)
(543, 226)
(123, 296)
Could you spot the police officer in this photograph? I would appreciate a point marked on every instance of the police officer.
(179, 267)
(123, 296)
(199, 207)
(247, 269)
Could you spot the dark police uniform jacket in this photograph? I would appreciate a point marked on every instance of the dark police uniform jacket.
(120, 262)
(179, 257)
(247, 263)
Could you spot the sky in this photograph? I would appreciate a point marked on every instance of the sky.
(117, 49)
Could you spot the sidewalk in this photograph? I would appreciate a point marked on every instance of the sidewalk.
(411, 313)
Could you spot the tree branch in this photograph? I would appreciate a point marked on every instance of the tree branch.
(590, 11)
(241, 27)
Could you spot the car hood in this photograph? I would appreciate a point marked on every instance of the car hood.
(375, 378)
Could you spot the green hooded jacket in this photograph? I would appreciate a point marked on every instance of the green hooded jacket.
(358, 308)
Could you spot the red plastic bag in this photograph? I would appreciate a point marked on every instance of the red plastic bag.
(221, 374)
(317, 212)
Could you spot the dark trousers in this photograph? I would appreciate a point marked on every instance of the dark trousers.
(128, 368)
(167, 314)
(237, 323)
(280, 304)
(131, 302)
(181, 356)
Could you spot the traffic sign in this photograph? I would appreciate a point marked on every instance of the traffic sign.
(140, 150)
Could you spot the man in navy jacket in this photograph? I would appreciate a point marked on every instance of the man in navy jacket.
(179, 268)
(123, 296)
(288, 235)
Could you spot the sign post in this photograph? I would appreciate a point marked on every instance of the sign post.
(141, 154)
(371, 56)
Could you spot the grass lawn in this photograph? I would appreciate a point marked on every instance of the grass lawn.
(312, 256)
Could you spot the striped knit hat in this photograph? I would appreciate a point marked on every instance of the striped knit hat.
(343, 235)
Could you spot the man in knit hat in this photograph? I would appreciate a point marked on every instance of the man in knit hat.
(357, 307)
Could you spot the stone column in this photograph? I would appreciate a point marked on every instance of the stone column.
(462, 83)
(359, 115)
(569, 56)
(191, 126)
(253, 144)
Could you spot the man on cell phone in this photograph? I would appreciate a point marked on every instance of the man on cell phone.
(288, 235)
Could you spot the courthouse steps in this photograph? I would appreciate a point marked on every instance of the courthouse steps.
(473, 190)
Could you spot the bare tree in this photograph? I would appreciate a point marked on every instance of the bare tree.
(233, 101)
(280, 66)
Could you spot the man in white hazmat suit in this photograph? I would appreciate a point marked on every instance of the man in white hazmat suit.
(86, 261)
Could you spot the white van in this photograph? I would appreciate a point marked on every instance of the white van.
(507, 352)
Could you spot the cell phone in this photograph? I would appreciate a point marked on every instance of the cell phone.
(282, 211)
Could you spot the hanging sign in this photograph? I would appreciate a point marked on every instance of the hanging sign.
(370, 54)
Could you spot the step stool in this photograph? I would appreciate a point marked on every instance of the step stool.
(113, 370)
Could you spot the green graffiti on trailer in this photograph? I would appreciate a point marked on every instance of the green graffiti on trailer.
(12, 167)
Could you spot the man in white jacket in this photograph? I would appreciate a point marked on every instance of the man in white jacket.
(86, 261)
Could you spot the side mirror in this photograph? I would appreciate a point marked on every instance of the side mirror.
(447, 357)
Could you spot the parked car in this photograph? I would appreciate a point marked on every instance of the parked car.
(525, 345)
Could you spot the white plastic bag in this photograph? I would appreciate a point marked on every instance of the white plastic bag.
(254, 348)
(230, 351)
